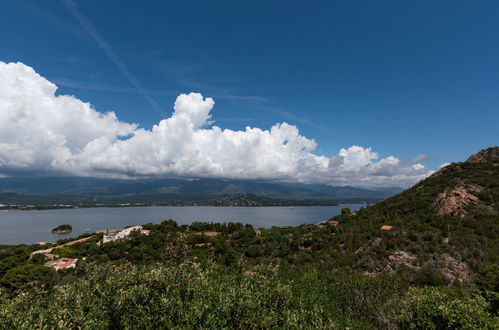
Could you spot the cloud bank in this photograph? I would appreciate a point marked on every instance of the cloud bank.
(41, 132)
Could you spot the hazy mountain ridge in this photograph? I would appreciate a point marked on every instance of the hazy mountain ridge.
(117, 187)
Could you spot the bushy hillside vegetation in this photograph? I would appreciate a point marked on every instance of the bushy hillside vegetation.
(187, 295)
(424, 269)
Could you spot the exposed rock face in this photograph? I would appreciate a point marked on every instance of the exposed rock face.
(454, 270)
(452, 202)
(486, 155)
(402, 258)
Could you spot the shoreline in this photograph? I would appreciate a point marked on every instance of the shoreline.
(9, 208)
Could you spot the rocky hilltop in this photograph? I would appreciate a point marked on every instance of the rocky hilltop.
(464, 189)
(477, 179)
(486, 155)
(446, 225)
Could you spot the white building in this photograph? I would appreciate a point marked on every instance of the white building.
(124, 233)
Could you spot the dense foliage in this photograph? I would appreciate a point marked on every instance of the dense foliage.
(187, 295)
(282, 277)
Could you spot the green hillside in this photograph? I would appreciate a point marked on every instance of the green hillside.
(480, 179)
(451, 217)
(436, 266)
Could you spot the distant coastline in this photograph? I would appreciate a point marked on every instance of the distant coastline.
(22, 207)
(39, 202)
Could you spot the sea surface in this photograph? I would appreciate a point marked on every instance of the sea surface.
(27, 227)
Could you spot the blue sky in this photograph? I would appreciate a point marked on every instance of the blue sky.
(403, 77)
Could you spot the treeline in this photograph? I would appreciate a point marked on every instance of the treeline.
(188, 295)
(40, 202)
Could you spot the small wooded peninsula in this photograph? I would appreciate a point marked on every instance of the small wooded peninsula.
(62, 229)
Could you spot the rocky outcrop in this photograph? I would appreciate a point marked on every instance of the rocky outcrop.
(454, 270)
(453, 201)
(485, 155)
(402, 258)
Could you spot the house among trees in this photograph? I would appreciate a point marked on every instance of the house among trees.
(124, 233)
(63, 263)
(333, 223)
(385, 227)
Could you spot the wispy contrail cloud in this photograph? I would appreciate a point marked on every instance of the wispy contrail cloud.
(93, 86)
(72, 7)
(296, 118)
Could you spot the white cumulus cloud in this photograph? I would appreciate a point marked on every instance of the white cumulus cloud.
(48, 133)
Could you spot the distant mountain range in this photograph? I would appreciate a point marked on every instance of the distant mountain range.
(82, 186)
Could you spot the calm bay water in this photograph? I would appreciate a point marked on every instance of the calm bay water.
(28, 227)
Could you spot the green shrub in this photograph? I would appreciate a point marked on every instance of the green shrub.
(444, 308)
(163, 296)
